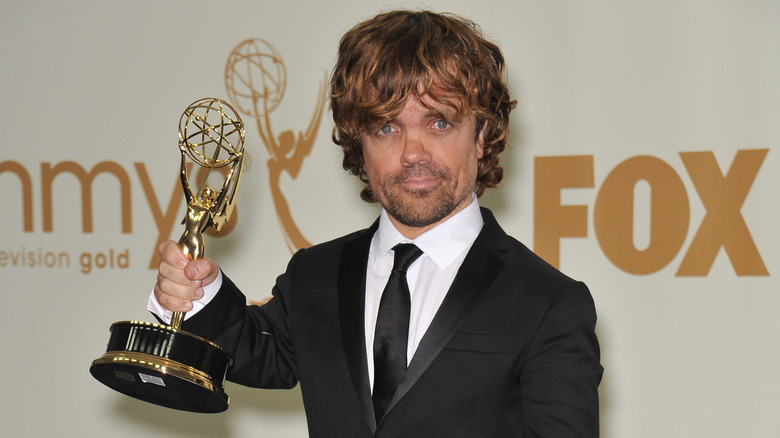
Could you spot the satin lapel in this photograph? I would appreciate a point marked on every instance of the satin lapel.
(477, 272)
(351, 287)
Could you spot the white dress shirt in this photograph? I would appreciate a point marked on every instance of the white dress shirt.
(429, 277)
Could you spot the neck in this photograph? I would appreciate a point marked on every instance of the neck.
(411, 232)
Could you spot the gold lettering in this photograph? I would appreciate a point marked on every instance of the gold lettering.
(86, 262)
(123, 259)
(27, 201)
(723, 224)
(613, 215)
(48, 174)
(553, 221)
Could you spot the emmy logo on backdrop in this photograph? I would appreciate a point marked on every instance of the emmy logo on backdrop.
(162, 364)
(256, 79)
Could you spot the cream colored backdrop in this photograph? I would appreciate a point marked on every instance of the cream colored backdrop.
(613, 95)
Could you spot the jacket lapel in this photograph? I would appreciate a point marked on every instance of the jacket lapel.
(351, 293)
(474, 277)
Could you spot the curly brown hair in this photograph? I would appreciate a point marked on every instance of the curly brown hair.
(384, 61)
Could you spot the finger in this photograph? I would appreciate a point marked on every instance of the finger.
(173, 274)
(171, 253)
(184, 291)
(171, 302)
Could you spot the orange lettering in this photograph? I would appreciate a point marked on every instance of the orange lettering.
(613, 215)
(723, 224)
(553, 221)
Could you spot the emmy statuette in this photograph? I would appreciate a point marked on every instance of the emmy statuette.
(163, 364)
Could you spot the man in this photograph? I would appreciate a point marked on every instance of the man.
(493, 342)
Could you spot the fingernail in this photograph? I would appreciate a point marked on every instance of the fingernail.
(182, 263)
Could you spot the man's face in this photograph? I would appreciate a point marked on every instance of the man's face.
(422, 164)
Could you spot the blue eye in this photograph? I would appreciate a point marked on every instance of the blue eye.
(385, 130)
(441, 124)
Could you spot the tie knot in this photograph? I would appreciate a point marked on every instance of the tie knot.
(405, 255)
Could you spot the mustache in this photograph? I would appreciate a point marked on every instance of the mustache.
(418, 171)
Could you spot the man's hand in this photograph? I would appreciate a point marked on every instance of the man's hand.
(179, 280)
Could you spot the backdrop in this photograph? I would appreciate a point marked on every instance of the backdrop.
(643, 162)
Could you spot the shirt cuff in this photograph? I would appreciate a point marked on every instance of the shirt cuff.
(209, 292)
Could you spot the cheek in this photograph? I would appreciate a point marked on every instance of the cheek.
(469, 173)
(468, 163)
(372, 167)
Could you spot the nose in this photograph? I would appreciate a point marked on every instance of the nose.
(414, 150)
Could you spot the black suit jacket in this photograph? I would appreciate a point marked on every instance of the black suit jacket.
(511, 352)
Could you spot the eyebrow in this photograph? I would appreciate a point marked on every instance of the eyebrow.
(449, 117)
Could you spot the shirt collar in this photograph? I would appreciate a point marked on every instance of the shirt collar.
(442, 244)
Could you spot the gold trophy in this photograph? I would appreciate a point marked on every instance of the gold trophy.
(162, 364)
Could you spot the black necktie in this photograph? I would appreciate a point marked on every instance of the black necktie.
(392, 329)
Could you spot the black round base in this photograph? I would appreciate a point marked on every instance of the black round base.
(165, 366)
(160, 388)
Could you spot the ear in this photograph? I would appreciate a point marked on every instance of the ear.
(481, 141)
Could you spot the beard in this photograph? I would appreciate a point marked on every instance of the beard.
(419, 208)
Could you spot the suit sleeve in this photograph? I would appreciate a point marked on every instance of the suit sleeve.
(258, 338)
(560, 377)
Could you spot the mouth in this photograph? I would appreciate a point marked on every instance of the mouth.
(420, 184)
(419, 180)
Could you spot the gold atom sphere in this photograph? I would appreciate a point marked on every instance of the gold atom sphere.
(211, 133)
